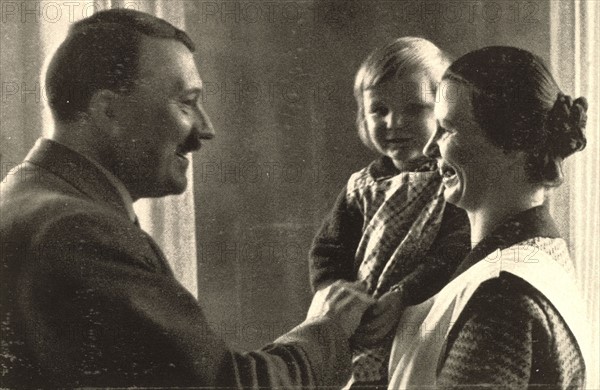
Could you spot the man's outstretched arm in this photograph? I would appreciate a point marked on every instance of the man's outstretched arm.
(100, 314)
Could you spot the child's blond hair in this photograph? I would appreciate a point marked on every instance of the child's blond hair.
(404, 55)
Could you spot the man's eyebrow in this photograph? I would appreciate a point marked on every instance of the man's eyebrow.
(181, 86)
(196, 90)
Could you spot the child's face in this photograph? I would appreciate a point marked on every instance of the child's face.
(399, 116)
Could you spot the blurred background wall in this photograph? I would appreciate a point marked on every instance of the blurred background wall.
(278, 82)
(278, 87)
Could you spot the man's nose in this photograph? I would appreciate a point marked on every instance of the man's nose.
(431, 148)
(203, 125)
(202, 129)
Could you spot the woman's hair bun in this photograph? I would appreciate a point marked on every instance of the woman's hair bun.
(565, 124)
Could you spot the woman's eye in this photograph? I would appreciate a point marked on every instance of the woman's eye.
(446, 131)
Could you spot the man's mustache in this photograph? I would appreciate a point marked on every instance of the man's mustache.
(191, 143)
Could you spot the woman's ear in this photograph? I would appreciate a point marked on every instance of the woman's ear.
(518, 161)
(514, 157)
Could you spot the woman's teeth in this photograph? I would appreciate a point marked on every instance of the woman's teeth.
(446, 171)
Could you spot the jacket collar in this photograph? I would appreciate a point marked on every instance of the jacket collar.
(535, 222)
(78, 171)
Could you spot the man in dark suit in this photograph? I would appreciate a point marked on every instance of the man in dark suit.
(88, 298)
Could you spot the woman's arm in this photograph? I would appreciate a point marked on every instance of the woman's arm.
(491, 343)
(510, 336)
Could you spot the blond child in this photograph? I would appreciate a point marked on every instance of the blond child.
(390, 226)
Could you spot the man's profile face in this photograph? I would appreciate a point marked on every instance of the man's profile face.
(160, 121)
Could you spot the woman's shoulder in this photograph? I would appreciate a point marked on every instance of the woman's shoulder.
(508, 297)
(510, 293)
(508, 320)
(511, 303)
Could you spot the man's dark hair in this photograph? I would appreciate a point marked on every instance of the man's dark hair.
(101, 52)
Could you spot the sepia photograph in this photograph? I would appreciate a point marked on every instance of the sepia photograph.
(313, 194)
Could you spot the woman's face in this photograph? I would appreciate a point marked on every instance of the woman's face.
(399, 117)
(474, 170)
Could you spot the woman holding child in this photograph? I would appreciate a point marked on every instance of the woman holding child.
(505, 314)
(510, 316)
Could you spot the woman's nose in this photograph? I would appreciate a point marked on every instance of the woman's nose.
(431, 148)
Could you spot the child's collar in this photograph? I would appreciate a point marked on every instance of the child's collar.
(384, 168)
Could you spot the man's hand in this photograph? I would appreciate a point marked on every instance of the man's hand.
(380, 320)
(344, 302)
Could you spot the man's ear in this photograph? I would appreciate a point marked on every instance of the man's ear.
(102, 109)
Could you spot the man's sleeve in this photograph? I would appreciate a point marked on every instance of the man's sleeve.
(98, 313)
(332, 253)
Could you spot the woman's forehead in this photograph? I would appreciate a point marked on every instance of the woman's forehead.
(453, 102)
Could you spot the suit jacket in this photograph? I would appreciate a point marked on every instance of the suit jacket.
(88, 298)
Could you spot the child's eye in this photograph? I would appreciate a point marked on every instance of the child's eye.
(379, 110)
(416, 109)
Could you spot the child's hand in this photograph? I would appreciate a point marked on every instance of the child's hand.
(342, 301)
(380, 320)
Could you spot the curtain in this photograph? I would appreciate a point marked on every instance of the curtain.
(31, 32)
(574, 27)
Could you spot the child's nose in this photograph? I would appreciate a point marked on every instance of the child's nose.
(393, 120)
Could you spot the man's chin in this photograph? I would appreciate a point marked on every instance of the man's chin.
(166, 189)
(176, 188)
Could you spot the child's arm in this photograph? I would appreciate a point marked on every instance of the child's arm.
(332, 253)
